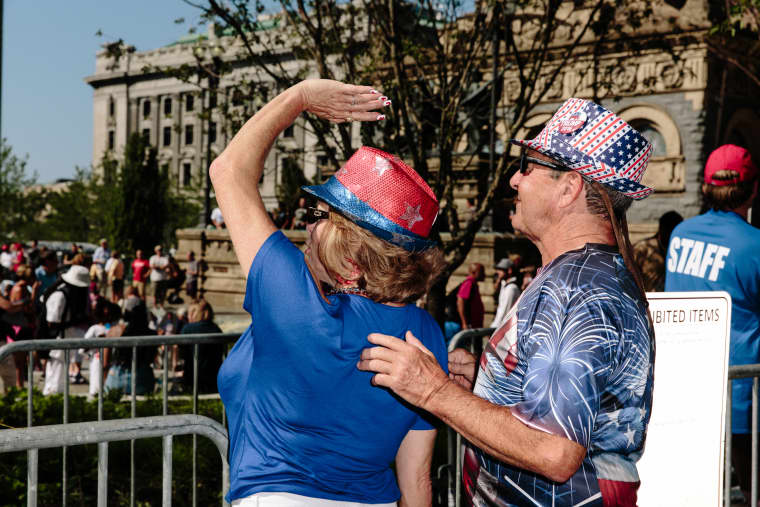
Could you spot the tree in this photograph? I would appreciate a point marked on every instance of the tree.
(129, 202)
(21, 204)
(72, 214)
(443, 64)
(736, 39)
(289, 189)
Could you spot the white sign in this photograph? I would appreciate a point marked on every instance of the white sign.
(683, 458)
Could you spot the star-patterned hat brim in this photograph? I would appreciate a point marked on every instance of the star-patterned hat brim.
(341, 199)
(627, 187)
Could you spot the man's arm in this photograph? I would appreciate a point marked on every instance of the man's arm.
(411, 371)
(413, 462)
(462, 314)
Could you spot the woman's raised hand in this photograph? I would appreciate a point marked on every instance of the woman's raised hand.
(340, 102)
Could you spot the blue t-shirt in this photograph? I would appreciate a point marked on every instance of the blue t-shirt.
(45, 279)
(302, 418)
(719, 250)
(574, 358)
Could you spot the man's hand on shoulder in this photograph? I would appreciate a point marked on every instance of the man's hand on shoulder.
(408, 368)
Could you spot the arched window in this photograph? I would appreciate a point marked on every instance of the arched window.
(649, 130)
(666, 171)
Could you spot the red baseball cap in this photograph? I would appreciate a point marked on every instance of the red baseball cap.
(730, 157)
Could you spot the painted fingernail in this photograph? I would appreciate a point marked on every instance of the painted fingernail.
(374, 92)
(380, 117)
(383, 98)
(387, 103)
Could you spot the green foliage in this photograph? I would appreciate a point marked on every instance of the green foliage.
(142, 206)
(21, 205)
(131, 203)
(82, 459)
(72, 215)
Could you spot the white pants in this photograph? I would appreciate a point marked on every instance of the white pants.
(96, 374)
(55, 373)
(291, 500)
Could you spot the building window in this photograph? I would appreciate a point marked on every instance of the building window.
(212, 100)
(146, 134)
(111, 140)
(111, 107)
(146, 107)
(187, 174)
(237, 97)
(189, 102)
(164, 168)
(188, 134)
(167, 136)
(212, 132)
(289, 132)
(167, 107)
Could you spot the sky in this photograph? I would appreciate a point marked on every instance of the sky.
(49, 47)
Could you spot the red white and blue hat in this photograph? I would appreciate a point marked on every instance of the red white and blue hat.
(588, 138)
(382, 194)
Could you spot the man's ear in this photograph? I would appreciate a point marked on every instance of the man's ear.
(571, 189)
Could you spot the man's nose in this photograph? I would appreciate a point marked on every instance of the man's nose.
(515, 180)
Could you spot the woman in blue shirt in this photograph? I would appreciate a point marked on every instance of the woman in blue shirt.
(306, 426)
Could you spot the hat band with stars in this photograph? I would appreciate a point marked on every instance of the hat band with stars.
(382, 194)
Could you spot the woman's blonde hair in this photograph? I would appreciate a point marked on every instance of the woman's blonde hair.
(389, 273)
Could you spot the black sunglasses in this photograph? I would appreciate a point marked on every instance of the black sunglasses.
(315, 214)
(525, 160)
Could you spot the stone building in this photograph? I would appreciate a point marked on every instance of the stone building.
(686, 100)
(181, 117)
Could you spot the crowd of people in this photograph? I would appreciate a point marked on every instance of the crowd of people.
(46, 294)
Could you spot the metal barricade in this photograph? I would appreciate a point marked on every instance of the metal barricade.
(467, 338)
(68, 344)
(102, 432)
(741, 372)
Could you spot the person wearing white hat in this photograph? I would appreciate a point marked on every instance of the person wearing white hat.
(66, 313)
(560, 410)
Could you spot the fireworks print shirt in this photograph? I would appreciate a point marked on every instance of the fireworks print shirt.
(574, 359)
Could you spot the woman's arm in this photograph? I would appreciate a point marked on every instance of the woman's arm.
(236, 172)
(413, 462)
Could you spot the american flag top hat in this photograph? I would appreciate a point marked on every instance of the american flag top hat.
(382, 194)
(587, 138)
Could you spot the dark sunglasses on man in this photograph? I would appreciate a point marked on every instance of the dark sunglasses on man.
(525, 160)
(314, 215)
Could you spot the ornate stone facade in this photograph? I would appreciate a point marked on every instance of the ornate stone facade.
(685, 100)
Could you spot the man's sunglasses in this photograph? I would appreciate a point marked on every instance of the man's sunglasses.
(525, 160)
(314, 215)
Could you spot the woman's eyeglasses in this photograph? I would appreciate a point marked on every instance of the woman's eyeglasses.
(315, 214)
(525, 168)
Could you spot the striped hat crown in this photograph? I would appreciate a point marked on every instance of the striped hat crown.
(382, 194)
(594, 141)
